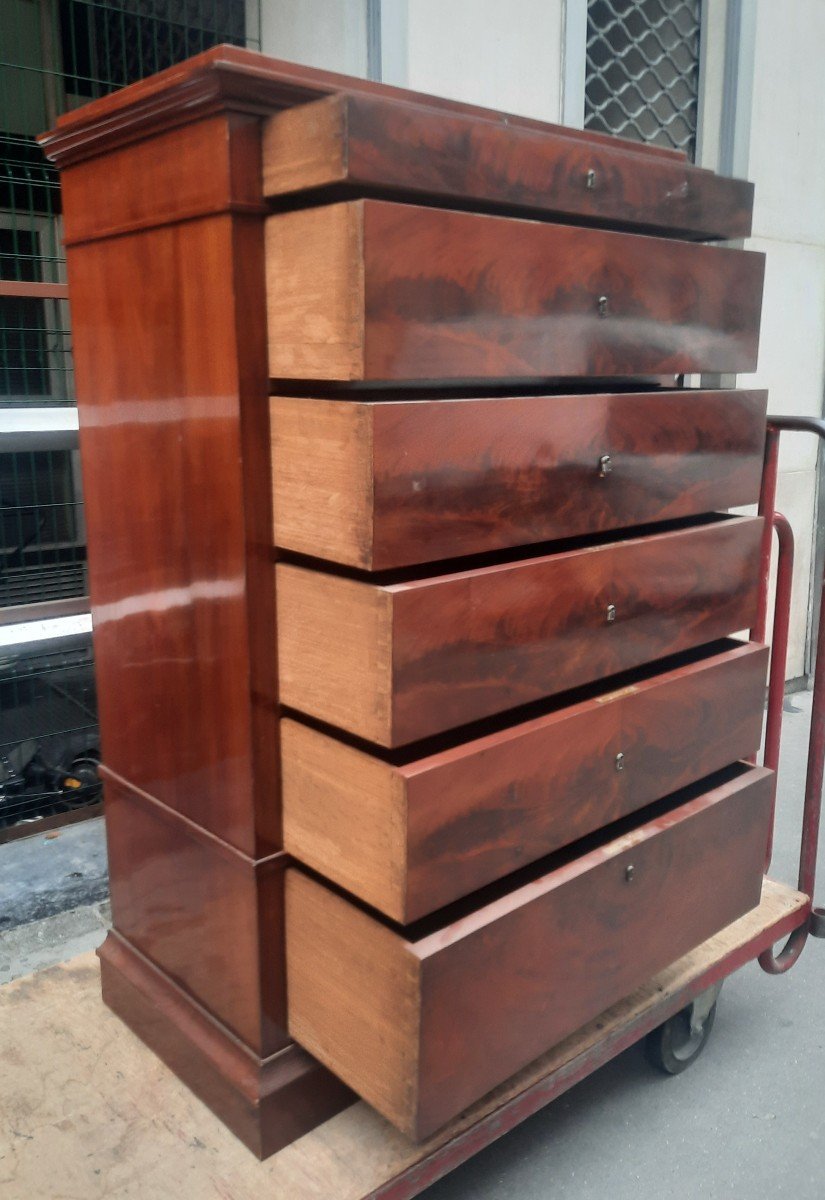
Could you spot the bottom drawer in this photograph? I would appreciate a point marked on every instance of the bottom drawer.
(424, 1021)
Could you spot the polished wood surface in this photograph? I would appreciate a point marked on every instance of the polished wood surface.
(230, 78)
(375, 142)
(267, 1103)
(369, 290)
(178, 509)
(394, 662)
(165, 227)
(423, 1024)
(410, 836)
(201, 911)
(384, 484)
(166, 256)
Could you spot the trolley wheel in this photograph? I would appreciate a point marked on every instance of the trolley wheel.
(675, 1045)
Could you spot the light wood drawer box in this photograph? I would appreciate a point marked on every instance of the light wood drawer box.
(395, 662)
(380, 484)
(425, 1021)
(369, 142)
(370, 290)
(413, 834)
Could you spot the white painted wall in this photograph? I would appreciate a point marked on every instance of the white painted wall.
(510, 56)
(785, 162)
(331, 34)
(507, 56)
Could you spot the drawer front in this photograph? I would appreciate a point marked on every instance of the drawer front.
(371, 141)
(370, 290)
(424, 1024)
(410, 838)
(384, 485)
(396, 663)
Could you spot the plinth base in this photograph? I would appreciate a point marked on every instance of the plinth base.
(267, 1103)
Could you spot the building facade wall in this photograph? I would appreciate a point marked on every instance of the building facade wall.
(517, 57)
(787, 130)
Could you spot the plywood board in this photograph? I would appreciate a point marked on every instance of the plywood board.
(86, 1103)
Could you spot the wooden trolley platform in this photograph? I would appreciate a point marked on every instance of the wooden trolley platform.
(87, 1103)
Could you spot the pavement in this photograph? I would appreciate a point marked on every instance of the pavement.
(747, 1120)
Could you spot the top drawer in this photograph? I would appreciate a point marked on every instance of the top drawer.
(368, 290)
(371, 142)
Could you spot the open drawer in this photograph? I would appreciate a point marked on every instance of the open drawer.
(367, 290)
(424, 1021)
(412, 831)
(395, 661)
(378, 484)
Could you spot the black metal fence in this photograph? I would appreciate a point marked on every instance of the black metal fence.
(56, 55)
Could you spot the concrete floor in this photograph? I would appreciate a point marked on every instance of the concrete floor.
(746, 1121)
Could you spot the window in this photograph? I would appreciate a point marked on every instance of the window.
(642, 70)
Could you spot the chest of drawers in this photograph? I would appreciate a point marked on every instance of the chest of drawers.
(414, 588)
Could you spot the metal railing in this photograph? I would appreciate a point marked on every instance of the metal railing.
(777, 964)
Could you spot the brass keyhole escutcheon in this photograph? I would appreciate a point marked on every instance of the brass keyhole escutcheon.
(605, 466)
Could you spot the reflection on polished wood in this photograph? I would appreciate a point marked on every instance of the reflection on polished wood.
(389, 483)
(369, 290)
(358, 142)
(423, 1022)
(190, 465)
(394, 662)
(412, 834)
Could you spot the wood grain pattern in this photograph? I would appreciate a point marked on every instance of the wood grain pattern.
(231, 77)
(356, 1155)
(200, 912)
(315, 306)
(166, 271)
(409, 837)
(178, 501)
(474, 1001)
(378, 142)
(165, 227)
(445, 650)
(390, 483)
(266, 1103)
(446, 295)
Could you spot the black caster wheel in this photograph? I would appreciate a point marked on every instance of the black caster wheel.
(675, 1045)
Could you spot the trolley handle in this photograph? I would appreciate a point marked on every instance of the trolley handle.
(776, 964)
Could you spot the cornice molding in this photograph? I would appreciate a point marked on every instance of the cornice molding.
(231, 79)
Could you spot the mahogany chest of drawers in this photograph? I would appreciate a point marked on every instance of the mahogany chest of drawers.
(425, 728)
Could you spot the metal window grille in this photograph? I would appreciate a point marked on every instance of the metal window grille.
(49, 745)
(54, 56)
(642, 72)
(42, 542)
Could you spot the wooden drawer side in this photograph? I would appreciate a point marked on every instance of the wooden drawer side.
(389, 484)
(412, 837)
(395, 663)
(340, 961)
(507, 981)
(372, 142)
(370, 290)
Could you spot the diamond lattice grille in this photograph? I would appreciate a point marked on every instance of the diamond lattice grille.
(643, 70)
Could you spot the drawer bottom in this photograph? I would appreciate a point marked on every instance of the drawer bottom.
(424, 1021)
